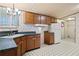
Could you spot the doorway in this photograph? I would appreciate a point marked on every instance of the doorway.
(70, 30)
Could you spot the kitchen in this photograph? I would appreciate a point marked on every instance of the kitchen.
(20, 31)
(23, 29)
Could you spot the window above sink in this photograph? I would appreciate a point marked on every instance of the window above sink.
(6, 20)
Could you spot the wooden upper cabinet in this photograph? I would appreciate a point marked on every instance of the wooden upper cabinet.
(43, 19)
(37, 19)
(29, 18)
(34, 18)
(53, 20)
(48, 20)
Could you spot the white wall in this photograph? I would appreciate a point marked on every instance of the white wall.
(65, 29)
(70, 30)
(76, 16)
(77, 28)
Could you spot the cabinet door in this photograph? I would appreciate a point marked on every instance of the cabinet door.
(30, 42)
(46, 37)
(19, 45)
(24, 44)
(51, 38)
(53, 20)
(37, 19)
(48, 20)
(19, 49)
(37, 41)
(43, 19)
(29, 18)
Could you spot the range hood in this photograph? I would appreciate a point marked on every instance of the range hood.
(40, 25)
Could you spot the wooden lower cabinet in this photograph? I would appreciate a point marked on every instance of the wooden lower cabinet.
(48, 38)
(24, 43)
(18, 41)
(33, 42)
(30, 42)
(9, 52)
(19, 49)
(37, 41)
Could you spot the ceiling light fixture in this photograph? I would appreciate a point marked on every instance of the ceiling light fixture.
(71, 19)
(13, 11)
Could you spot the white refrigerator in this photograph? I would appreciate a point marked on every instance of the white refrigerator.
(56, 28)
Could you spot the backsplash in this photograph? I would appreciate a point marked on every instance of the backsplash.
(32, 32)
(26, 28)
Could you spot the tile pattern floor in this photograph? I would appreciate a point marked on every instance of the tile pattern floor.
(65, 48)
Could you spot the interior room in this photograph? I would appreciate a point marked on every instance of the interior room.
(39, 29)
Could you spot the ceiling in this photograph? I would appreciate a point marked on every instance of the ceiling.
(57, 10)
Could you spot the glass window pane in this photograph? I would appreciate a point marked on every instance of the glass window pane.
(15, 20)
(6, 19)
(4, 15)
(1, 16)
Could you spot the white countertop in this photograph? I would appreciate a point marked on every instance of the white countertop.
(13, 36)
